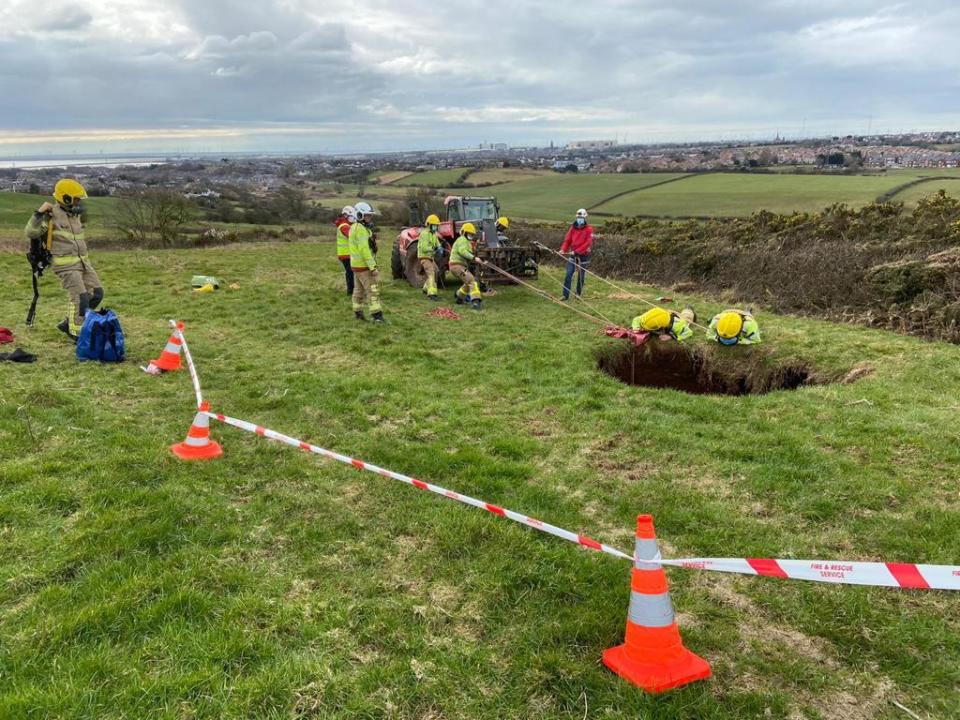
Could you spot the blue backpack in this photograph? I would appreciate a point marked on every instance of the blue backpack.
(101, 337)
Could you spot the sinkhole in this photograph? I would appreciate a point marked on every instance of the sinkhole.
(703, 371)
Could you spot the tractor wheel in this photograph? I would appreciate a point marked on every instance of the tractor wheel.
(396, 261)
(415, 274)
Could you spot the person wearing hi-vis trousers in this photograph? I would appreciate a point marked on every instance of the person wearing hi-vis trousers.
(363, 261)
(428, 247)
(60, 227)
(462, 254)
(579, 241)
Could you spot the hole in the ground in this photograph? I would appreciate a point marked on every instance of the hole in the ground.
(703, 371)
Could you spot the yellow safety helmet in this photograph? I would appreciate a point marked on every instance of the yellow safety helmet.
(432, 220)
(656, 320)
(503, 221)
(69, 192)
(729, 325)
(468, 228)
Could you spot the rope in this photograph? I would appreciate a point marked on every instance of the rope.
(585, 303)
(542, 293)
(611, 284)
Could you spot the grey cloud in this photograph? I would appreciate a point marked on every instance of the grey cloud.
(562, 67)
(65, 20)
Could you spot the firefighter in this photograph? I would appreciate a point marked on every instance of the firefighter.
(343, 221)
(578, 242)
(732, 327)
(428, 248)
(61, 226)
(363, 262)
(503, 224)
(462, 254)
(666, 323)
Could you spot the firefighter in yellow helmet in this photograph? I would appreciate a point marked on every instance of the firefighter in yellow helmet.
(428, 247)
(59, 227)
(666, 323)
(503, 224)
(733, 327)
(464, 252)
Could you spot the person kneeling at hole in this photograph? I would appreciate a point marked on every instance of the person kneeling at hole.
(734, 327)
(666, 323)
(363, 262)
(464, 252)
(59, 228)
(428, 249)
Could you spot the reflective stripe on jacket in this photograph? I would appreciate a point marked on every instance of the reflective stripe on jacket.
(427, 244)
(68, 245)
(361, 256)
(460, 253)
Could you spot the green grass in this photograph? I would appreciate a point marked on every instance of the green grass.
(723, 194)
(15, 210)
(273, 584)
(558, 196)
(913, 194)
(385, 178)
(432, 178)
(505, 175)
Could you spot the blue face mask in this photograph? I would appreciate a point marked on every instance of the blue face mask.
(579, 222)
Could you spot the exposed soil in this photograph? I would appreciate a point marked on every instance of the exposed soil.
(704, 371)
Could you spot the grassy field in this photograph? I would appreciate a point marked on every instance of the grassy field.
(741, 194)
(432, 178)
(15, 210)
(273, 584)
(557, 197)
(505, 175)
(913, 194)
(385, 178)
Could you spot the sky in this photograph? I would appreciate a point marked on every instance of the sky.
(377, 75)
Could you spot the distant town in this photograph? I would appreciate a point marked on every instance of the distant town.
(203, 176)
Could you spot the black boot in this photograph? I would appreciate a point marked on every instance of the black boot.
(358, 314)
(459, 300)
(476, 305)
(378, 317)
(64, 327)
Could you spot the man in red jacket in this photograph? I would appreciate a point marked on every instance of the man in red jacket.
(578, 242)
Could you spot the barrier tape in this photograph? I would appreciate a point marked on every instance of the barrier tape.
(898, 575)
(421, 485)
(190, 366)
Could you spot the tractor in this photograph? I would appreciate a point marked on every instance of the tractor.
(518, 259)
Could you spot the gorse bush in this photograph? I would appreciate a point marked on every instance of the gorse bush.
(880, 265)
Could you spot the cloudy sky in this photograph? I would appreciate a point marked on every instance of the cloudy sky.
(332, 75)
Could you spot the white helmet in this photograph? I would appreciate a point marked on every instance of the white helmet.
(362, 209)
(349, 213)
(582, 213)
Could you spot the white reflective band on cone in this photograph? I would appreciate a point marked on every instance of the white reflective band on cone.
(650, 610)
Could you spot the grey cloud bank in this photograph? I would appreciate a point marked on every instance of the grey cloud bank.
(369, 75)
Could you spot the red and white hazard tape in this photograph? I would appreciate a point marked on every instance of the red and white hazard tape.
(420, 484)
(899, 575)
(190, 366)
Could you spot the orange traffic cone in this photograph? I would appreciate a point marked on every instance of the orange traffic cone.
(198, 445)
(169, 359)
(653, 655)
